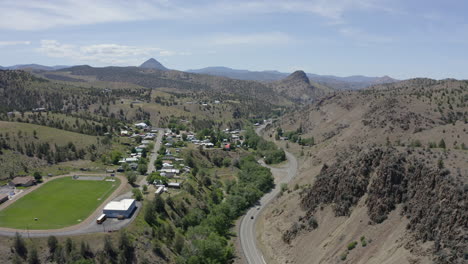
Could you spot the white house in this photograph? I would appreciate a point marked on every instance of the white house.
(174, 185)
(141, 125)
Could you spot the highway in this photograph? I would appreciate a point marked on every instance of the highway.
(247, 232)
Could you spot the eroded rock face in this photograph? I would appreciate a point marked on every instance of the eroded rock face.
(435, 203)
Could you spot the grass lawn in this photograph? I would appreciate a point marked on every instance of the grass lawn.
(58, 203)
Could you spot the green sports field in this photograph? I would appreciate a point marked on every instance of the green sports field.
(58, 203)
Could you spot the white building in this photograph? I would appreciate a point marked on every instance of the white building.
(123, 208)
(174, 185)
(141, 125)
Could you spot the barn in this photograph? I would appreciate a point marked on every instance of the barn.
(123, 208)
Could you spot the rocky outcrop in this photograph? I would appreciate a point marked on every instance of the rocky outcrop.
(435, 203)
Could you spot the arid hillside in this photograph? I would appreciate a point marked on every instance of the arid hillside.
(383, 177)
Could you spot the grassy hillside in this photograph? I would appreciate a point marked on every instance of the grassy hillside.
(25, 148)
(24, 133)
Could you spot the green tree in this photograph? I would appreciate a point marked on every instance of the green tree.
(69, 246)
(116, 156)
(109, 250)
(137, 194)
(159, 204)
(442, 144)
(37, 176)
(142, 169)
(179, 243)
(33, 258)
(126, 247)
(131, 177)
(440, 164)
(20, 246)
(52, 242)
(85, 250)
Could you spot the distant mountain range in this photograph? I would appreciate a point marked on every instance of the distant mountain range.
(34, 67)
(340, 83)
(335, 82)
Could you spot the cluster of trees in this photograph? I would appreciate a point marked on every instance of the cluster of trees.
(295, 136)
(201, 234)
(44, 150)
(176, 126)
(70, 252)
(267, 149)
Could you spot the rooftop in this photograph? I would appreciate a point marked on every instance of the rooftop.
(22, 180)
(122, 205)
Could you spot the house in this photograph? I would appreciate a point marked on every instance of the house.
(130, 160)
(169, 170)
(40, 109)
(124, 133)
(146, 142)
(167, 165)
(141, 125)
(208, 145)
(139, 150)
(23, 181)
(227, 147)
(160, 190)
(3, 198)
(176, 185)
(133, 166)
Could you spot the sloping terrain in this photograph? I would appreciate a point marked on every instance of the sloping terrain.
(388, 170)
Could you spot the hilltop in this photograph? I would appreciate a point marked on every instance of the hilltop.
(298, 87)
(153, 64)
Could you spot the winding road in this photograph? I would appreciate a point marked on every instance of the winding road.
(247, 232)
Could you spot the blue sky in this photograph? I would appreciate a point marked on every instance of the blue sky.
(403, 39)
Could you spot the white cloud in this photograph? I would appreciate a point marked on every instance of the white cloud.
(42, 14)
(102, 54)
(14, 43)
(273, 38)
